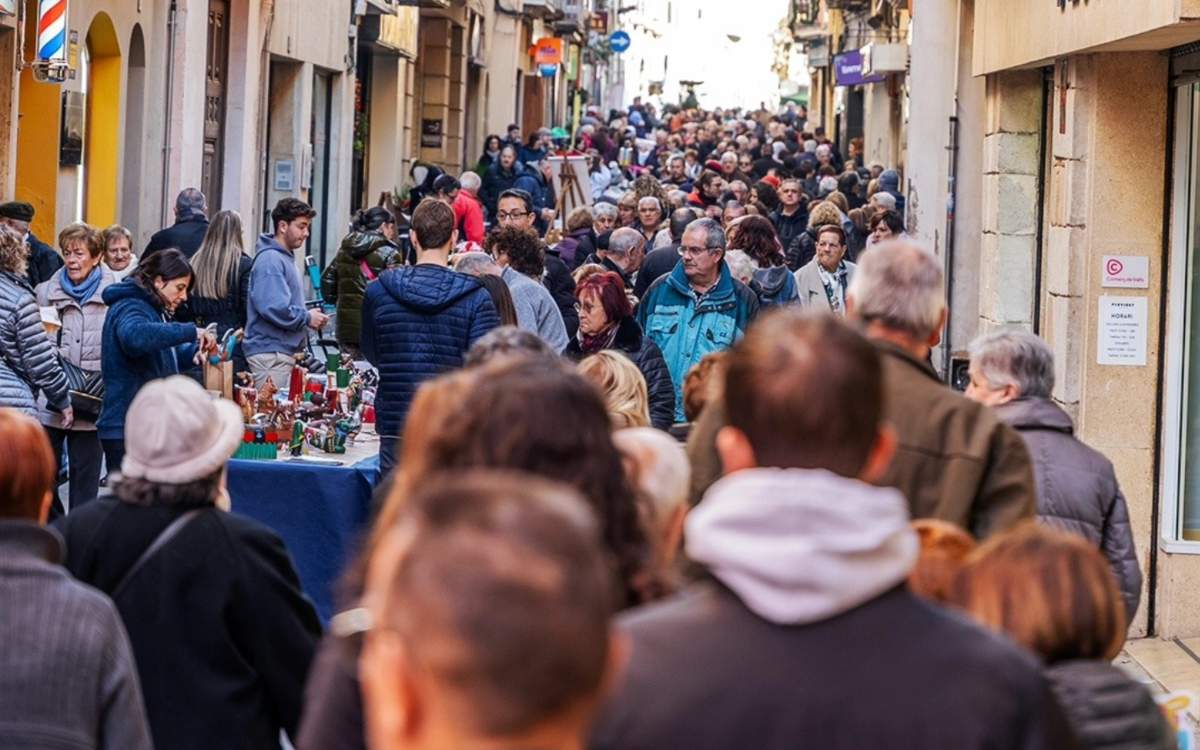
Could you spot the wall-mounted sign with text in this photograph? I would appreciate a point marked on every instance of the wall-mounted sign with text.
(1125, 272)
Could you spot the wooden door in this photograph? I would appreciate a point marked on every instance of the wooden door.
(532, 105)
(216, 81)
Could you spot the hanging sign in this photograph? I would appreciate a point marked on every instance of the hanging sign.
(619, 41)
(547, 71)
(52, 30)
(548, 51)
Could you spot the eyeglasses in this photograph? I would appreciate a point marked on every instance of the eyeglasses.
(686, 250)
(502, 216)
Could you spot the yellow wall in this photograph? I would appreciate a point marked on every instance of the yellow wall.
(102, 150)
(37, 144)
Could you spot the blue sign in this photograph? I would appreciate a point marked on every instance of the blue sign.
(547, 71)
(619, 41)
(848, 70)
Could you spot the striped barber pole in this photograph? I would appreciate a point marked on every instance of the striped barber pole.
(52, 30)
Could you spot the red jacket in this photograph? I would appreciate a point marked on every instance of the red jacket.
(468, 218)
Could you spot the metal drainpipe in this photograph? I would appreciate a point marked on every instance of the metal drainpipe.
(166, 163)
(951, 199)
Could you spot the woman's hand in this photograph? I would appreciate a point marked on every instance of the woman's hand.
(68, 418)
(206, 341)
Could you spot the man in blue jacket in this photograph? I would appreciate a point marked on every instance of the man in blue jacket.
(698, 308)
(419, 321)
(276, 317)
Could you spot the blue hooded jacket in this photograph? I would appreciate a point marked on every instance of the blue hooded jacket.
(275, 313)
(687, 329)
(137, 345)
(418, 322)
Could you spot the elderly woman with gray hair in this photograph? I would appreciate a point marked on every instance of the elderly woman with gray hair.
(1013, 372)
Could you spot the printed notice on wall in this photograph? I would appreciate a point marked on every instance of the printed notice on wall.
(1122, 331)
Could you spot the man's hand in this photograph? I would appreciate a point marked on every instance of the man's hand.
(317, 319)
(68, 418)
(548, 215)
(206, 341)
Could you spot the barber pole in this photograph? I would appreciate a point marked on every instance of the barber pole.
(52, 31)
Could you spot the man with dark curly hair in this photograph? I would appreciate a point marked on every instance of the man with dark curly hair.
(520, 253)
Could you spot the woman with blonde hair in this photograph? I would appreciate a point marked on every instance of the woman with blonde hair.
(1055, 594)
(622, 386)
(222, 279)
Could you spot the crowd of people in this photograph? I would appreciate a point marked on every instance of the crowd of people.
(644, 466)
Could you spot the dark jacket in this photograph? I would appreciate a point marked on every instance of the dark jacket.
(43, 261)
(228, 312)
(28, 361)
(185, 235)
(495, 182)
(418, 322)
(557, 278)
(138, 345)
(775, 286)
(789, 227)
(333, 707)
(222, 634)
(1107, 709)
(646, 355)
(1077, 489)
(655, 265)
(576, 246)
(918, 677)
(955, 460)
(343, 283)
(802, 249)
(67, 675)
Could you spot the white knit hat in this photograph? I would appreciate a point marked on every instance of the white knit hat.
(175, 432)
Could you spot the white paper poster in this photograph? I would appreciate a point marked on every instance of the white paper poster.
(1122, 331)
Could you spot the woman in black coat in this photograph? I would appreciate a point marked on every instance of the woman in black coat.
(222, 280)
(606, 322)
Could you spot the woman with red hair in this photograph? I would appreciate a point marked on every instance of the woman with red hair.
(606, 322)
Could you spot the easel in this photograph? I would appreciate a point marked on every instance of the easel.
(569, 182)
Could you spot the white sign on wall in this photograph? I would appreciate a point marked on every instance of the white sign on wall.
(8, 7)
(1126, 272)
(1122, 331)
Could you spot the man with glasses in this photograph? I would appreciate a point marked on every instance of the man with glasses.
(791, 218)
(823, 281)
(515, 208)
(698, 308)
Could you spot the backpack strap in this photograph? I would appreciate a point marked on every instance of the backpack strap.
(164, 536)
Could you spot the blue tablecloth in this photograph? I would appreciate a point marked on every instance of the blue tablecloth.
(321, 512)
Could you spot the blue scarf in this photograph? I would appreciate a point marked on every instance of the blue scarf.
(82, 292)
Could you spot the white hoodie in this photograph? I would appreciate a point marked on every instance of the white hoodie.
(798, 545)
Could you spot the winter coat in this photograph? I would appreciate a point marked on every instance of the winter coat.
(955, 460)
(418, 322)
(468, 217)
(774, 286)
(79, 339)
(811, 289)
(569, 248)
(28, 361)
(889, 182)
(558, 280)
(495, 182)
(137, 345)
(807, 568)
(1077, 490)
(43, 261)
(67, 676)
(537, 311)
(686, 330)
(789, 227)
(229, 313)
(221, 632)
(276, 317)
(649, 360)
(344, 284)
(655, 265)
(1107, 709)
(587, 246)
(185, 235)
(802, 250)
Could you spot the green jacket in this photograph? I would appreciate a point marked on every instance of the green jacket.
(344, 284)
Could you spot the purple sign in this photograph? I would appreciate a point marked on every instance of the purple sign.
(848, 70)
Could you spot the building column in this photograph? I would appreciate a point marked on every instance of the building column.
(387, 148)
(434, 65)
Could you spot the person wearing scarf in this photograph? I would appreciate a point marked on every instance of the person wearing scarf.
(606, 322)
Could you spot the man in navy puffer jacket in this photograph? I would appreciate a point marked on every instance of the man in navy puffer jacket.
(418, 321)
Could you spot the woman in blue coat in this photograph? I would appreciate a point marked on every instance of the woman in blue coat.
(141, 342)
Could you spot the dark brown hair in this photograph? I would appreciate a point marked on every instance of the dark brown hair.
(756, 236)
(832, 229)
(27, 468)
(501, 298)
(1050, 591)
(502, 593)
(807, 391)
(432, 224)
(288, 210)
(523, 248)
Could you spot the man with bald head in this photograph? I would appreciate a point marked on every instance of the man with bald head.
(955, 460)
(625, 253)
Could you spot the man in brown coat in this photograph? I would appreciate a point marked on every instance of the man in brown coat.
(956, 461)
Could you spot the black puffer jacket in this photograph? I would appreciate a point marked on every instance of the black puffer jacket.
(1077, 490)
(802, 249)
(28, 361)
(344, 284)
(649, 359)
(1107, 709)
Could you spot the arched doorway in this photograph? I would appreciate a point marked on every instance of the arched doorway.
(101, 151)
(135, 110)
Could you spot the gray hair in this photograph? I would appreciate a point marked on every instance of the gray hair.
(884, 200)
(663, 471)
(507, 341)
(1015, 357)
(624, 240)
(190, 202)
(604, 208)
(470, 181)
(475, 264)
(899, 284)
(714, 233)
(741, 265)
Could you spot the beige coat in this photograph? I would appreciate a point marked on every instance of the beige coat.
(810, 287)
(82, 329)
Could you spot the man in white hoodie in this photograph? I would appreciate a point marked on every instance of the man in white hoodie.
(806, 634)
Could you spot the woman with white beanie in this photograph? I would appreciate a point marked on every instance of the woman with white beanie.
(221, 632)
